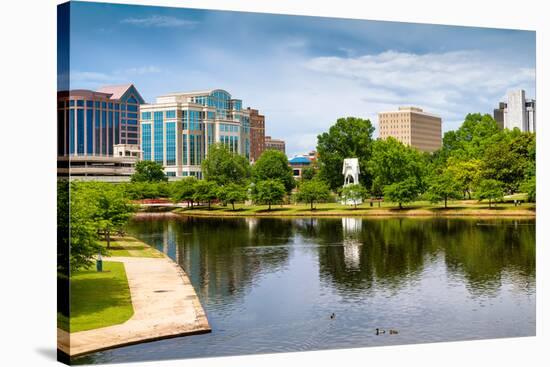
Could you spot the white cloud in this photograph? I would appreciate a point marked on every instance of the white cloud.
(159, 21)
(450, 84)
(92, 79)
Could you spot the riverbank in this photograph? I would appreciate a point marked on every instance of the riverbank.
(164, 304)
(465, 208)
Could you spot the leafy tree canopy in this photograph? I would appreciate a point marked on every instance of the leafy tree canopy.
(205, 191)
(313, 191)
(489, 189)
(353, 193)
(349, 137)
(402, 192)
(148, 171)
(273, 165)
(443, 187)
(393, 162)
(268, 192)
(233, 193)
(223, 167)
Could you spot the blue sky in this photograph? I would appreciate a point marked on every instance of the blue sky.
(301, 72)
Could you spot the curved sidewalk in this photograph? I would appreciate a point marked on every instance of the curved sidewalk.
(165, 305)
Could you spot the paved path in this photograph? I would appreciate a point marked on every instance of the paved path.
(165, 305)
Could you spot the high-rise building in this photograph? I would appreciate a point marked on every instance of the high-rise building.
(92, 124)
(257, 134)
(411, 126)
(178, 129)
(276, 144)
(516, 112)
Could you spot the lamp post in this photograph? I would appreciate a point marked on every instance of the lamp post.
(99, 263)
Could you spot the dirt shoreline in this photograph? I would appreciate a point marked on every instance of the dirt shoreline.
(374, 213)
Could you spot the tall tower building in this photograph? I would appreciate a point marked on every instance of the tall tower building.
(518, 112)
(179, 128)
(411, 126)
(96, 127)
(257, 134)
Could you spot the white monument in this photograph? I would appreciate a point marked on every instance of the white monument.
(351, 171)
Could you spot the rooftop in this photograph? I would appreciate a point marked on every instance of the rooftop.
(299, 160)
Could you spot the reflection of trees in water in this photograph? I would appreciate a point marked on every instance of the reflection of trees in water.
(486, 252)
(362, 253)
(221, 256)
(382, 252)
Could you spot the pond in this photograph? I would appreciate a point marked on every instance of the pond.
(271, 284)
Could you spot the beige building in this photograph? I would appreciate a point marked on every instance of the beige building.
(411, 126)
(276, 144)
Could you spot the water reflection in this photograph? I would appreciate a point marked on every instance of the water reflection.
(269, 285)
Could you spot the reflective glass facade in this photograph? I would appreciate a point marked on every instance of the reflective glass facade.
(183, 126)
(96, 121)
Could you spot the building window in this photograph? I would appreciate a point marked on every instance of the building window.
(89, 131)
(192, 149)
(184, 148)
(158, 129)
(171, 114)
(71, 131)
(146, 115)
(80, 130)
(146, 141)
(170, 143)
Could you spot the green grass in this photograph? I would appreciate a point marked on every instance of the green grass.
(98, 299)
(130, 247)
(462, 207)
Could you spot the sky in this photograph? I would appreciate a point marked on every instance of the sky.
(302, 73)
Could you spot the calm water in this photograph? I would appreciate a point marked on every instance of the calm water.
(270, 285)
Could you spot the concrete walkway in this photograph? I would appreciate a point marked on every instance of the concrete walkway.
(165, 305)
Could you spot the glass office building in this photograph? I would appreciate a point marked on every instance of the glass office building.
(178, 129)
(94, 126)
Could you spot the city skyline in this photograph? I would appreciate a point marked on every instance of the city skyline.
(319, 69)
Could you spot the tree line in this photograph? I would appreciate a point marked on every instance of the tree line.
(478, 160)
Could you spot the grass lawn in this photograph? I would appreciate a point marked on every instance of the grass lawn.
(131, 247)
(99, 299)
(459, 207)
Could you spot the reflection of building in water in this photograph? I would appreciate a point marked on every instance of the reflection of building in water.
(352, 253)
(352, 247)
(351, 225)
(251, 223)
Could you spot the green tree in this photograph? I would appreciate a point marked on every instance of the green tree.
(273, 165)
(399, 166)
(268, 192)
(113, 210)
(465, 172)
(529, 186)
(489, 189)
(223, 167)
(353, 193)
(402, 192)
(148, 171)
(313, 191)
(349, 137)
(309, 173)
(83, 235)
(205, 191)
(233, 193)
(471, 139)
(443, 187)
(184, 190)
(507, 159)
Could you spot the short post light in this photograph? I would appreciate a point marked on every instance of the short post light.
(99, 263)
